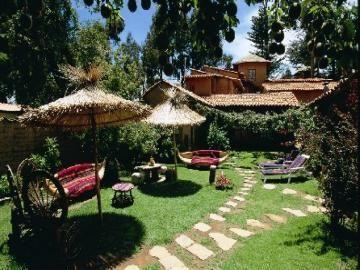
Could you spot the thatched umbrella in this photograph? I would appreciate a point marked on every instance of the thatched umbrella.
(174, 113)
(88, 107)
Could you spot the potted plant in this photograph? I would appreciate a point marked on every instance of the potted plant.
(222, 182)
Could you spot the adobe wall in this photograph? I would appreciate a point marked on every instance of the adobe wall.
(199, 86)
(223, 86)
(261, 71)
(18, 142)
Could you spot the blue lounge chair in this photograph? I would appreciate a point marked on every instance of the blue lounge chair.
(281, 162)
(296, 166)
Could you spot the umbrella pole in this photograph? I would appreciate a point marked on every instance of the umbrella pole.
(97, 182)
(175, 152)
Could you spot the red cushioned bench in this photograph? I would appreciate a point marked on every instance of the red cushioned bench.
(79, 178)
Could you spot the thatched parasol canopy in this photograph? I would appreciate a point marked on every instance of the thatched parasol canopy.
(88, 107)
(72, 112)
(167, 114)
(174, 113)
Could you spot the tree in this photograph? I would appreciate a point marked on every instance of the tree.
(181, 53)
(126, 75)
(91, 46)
(259, 36)
(30, 57)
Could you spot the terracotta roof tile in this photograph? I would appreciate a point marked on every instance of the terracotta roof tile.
(6, 107)
(282, 99)
(217, 69)
(311, 84)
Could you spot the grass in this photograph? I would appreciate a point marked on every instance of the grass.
(163, 210)
(159, 212)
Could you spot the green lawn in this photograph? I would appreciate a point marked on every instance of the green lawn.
(163, 210)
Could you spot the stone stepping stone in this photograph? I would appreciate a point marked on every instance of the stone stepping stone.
(243, 193)
(240, 199)
(224, 209)
(248, 185)
(269, 186)
(223, 242)
(245, 189)
(231, 203)
(132, 267)
(288, 191)
(315, 209)
(295, 212)
(311, 198)
(159, 252)
(167, 260)
(172, 263)
(276, 218)
(202, 227)
(256, 223)
(217, 217)
(196, 249)
(200, 251)
(250, 182)
(241, 232)
(184, 241)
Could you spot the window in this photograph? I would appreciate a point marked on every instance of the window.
(252, 74)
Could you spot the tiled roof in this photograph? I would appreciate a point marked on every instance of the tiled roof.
(252, 58)
(195, 71)
(209, 75)
(311, 84)
(6, 107)
(282, 99)
(221, 70)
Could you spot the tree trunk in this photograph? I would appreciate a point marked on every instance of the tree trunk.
(97, 182)
(175, 152)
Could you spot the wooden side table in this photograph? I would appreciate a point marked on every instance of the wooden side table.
(122, 193)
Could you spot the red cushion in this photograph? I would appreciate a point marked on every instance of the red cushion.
(207, 153)
(77, 179)
(74, 169)
(204, 161)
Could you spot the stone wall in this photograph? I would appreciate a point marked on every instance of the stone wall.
(18, 142)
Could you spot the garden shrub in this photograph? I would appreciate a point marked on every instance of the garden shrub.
(259, 130)
(4, 186)
(332, 144)
(217, 138)
(49, 156)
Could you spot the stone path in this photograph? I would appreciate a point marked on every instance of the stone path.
(217, 217)
(231, 203)
(257, 224)
(196, 249)
(168, 261)
(241, 232)
(315, 209)
(269, 186)
(224, 209)
(295, 212)
(223, 242)
(276, 218)
(202, 227)
(240, 199)
(288, 191)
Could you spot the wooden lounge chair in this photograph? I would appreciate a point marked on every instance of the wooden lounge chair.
(203, 158)
(296, 166)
